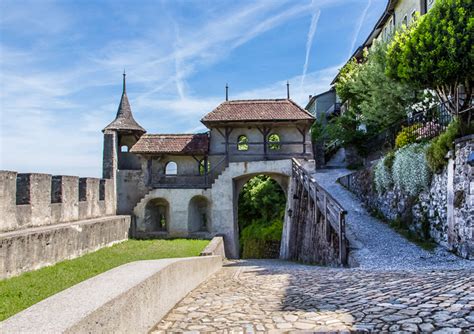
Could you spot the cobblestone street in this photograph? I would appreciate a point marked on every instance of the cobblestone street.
(274, 296)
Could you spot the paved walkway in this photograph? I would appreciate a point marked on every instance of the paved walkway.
(374, 244)
(274, 296)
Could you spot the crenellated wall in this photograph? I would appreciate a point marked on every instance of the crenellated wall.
(45, 219)
(33, 200)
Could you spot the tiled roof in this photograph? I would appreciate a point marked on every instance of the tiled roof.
(257, 110)
(173, 144)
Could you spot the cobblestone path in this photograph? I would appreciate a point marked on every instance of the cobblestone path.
(373, 244)
(275, 296)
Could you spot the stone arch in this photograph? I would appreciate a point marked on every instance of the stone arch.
(157, 215)
(283, 181)
(199, 215)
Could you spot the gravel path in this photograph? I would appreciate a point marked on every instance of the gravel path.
(373, 244)
(280, 297)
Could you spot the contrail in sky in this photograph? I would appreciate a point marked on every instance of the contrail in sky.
(359, 26)
(309, 42)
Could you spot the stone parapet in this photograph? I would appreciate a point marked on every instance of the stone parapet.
(33, 199)
(36, 247)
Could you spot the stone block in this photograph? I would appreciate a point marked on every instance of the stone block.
(34, 190)
(8, 200)
(65, 191)
(89, 195)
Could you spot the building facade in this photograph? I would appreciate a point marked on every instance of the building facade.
(187, 185)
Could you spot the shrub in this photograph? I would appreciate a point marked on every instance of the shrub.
(258, 237)
(408, 135)
(440, 146)
(410, 170)
(383, 173)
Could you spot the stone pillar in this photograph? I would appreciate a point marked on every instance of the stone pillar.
(110, 161)
(7, 201)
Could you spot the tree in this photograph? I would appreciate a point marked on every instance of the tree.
(437, 52)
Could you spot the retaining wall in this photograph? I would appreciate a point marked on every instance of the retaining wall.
(128, 299)
(37, 247)
(444, 212)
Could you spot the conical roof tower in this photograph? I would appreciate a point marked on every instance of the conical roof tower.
(124, 120)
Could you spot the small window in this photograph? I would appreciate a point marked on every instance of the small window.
(171, 168)
(242, 143)
(202, 167)
(124, 148)
(405, 21)
(274, 141)
(413, 16)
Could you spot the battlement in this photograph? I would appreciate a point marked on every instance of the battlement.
(33, 199)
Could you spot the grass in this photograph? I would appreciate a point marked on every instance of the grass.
(19, 293)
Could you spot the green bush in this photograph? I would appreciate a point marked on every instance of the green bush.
(440, 146)
(257, 237)
(410, 171)
(407, 136)
(383, 173)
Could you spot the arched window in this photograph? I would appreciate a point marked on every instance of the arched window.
(124, 148)
(274, 141)
(171, 168)
(242, 143)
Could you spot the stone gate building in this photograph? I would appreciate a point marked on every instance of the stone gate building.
(187, 185)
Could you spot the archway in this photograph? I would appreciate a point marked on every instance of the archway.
(157, 215)
(260, 212)
(198, 214)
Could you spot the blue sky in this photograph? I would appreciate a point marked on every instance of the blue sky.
(61, 65)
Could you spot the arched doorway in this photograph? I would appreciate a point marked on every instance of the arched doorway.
(260, 215)
(198, 214)
(157, 215)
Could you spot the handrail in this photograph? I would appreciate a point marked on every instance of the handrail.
(331, 211)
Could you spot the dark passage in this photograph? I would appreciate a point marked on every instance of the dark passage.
(261, 212)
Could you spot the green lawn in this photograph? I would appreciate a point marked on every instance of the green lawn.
(18, 293)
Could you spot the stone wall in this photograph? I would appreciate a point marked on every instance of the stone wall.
(444, 212)
(32, 199)
(34, 248)
(45, 219)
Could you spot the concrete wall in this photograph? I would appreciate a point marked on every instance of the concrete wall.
(128, 299)
(33, 248)
(215, 247)
(31, 200)
(131, 187)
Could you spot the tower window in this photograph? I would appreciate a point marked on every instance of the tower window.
(242, 143)
(124, 148)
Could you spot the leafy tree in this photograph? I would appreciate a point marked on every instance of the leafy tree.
(374, 99)
(437, 51)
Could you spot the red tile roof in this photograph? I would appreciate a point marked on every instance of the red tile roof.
(257, 110)
(173, 144)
